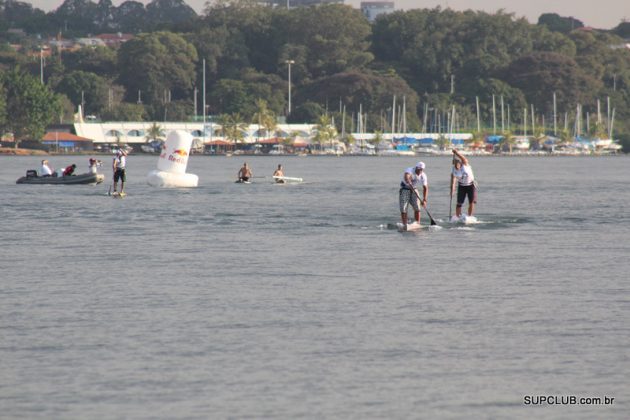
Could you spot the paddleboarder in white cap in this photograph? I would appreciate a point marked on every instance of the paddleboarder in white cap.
(408, 194)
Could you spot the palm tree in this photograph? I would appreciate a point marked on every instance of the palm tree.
(264, 117)
(477, 140)
(154, 133)
(507, 140)
(597, 131)
(324, 130)
(565, 136)
(539, 137)
(232, 127)
(442, 142)
(376, 140)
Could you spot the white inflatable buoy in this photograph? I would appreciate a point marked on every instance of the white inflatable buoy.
(171, 166)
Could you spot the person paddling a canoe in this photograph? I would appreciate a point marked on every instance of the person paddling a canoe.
(462, 175)
(408, 194)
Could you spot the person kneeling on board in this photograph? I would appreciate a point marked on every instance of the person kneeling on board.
(462, 175)
(279, 173)
(244, 174)
(408, 194)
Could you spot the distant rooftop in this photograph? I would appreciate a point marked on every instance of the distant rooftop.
(303, 3)
(372, 9)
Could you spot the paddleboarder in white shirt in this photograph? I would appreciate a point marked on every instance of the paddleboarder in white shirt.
(118, 166)
(408, 194)
(462, 175)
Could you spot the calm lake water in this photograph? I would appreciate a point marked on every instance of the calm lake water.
(296, 301)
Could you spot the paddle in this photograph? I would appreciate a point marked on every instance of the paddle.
(433, 223)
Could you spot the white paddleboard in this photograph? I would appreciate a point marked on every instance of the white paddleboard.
(467, 220)
(287, 178)
(410, 227)
(119, 195)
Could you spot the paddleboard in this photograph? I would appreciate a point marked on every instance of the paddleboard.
(287, 178)
(466, 220)
(410, 227)
(119, 195)
(238, 181)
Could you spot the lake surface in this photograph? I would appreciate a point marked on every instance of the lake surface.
(296, 301)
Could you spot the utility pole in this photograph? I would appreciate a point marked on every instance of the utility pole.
(289, 62)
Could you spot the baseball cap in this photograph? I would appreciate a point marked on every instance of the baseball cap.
(420, 165)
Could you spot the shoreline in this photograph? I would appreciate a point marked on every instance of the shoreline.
(10, 151)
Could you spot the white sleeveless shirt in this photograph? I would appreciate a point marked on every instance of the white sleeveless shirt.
(464, 175)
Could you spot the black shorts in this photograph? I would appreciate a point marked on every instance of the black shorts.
(120, 175)
(464, 191)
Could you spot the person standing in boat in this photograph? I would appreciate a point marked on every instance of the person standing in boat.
(94, 164)
(118, 166)
(408, 194)
(45, 169)
(462, 175)
(279, 173)
(245, 173)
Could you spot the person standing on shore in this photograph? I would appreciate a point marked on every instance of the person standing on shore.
(245, 173)
(463, 175)
(408, 194)
(118, 166)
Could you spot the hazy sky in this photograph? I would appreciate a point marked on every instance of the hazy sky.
(605, 14)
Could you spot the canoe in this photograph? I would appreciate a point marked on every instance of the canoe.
(87, 178)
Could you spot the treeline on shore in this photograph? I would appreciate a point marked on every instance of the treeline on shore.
(438, 60)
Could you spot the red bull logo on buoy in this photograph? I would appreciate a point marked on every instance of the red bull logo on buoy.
(174, 156)
(178, 156)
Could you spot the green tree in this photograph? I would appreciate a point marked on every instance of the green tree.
(125, 112)
(325, 132)
(538, 75)
(557, 23)
(308, 112)
(3, 106)
(99, 60)
(264, 117)
(368, 90)
(85, 88)
(228, 97)
(30, 106)
(335, 36)
(166, 62)
(154, 133)
(508, 141)
(232, 127)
